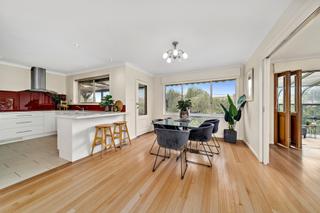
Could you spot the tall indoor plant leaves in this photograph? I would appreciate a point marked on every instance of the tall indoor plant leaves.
(233, 113)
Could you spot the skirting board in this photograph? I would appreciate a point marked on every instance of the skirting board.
(252, 150)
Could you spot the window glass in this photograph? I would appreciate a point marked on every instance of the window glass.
(199, 94)
(142, 101)
(206, 97)
(293, 93)
(93, 90)
(220, 90)
(172, 96)
(280, 94)
(86, 91)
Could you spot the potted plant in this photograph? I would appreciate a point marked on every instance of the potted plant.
(184, 107)
(56, 99)
(231, 116)
(107, 102)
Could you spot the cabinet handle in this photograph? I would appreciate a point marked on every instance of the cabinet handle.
(24, 122)
(24, 131)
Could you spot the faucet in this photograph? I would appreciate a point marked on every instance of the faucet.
(81, 108)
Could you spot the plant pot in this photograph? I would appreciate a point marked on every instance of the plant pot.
(184, 114)
(230, 136)
(109, 108)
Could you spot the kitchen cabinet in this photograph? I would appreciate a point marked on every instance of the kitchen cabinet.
(18, 126)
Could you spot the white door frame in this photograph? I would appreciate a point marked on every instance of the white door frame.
(266, 109)
(136, 101)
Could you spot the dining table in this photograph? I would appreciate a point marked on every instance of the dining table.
(190, 123)
(184, 124)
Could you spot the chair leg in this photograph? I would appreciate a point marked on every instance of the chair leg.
(127, 131)
(150, 151)
(216, 141)
(155, 161)
(112, 140)
(207, 154)
(186, 163)
(94, 141)
(215, 146)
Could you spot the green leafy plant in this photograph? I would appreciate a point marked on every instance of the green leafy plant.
(56, 99)
(184, 105)
(233, 113)
(308, 122)
(106, 101)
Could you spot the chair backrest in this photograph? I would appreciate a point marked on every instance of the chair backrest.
(202, 133)
(215, 123)
(172, 139)
(157, 126)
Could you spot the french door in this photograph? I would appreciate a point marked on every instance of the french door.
(287, 109)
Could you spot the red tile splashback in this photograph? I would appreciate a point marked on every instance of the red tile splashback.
(26, 101)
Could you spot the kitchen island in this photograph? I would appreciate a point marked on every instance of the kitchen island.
(76, 131)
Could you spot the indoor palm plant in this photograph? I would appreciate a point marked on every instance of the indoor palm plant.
(107, 102)
(232, 115)
(184, 107)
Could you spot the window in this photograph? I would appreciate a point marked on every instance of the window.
(206, 97)
(93, 90)
(142, 101)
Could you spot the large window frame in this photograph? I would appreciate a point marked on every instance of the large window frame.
(235, 79)
(95, 88)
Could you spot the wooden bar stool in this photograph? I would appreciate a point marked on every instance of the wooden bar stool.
(121, 128)
(105, 130)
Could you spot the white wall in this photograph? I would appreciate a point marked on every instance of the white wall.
(122, 87)
(197, 76)
(17, 78)
(133, 75)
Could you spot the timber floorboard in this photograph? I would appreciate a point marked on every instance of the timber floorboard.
(123, 181)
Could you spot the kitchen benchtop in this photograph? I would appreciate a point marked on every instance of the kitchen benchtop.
(86, 114)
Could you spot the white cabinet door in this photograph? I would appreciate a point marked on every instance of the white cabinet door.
(50, 122)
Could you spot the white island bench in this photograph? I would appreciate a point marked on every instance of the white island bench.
(76, 131)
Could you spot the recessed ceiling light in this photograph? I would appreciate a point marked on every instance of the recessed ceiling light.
(76, 44)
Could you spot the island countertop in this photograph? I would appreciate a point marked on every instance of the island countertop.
(86, 114)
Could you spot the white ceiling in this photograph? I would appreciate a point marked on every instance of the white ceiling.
(214, 33)
(305, 44)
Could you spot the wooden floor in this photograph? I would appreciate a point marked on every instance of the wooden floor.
(123, 182)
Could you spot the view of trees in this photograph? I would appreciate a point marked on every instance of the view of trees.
(311, 104)
(200, 96)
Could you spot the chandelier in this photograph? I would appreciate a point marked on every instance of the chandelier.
(173, 54)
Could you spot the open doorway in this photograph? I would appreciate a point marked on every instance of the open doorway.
(296, 95)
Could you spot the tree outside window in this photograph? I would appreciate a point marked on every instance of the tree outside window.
(206, 97)
(93, 90)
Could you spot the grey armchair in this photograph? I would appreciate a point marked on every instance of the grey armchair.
(160, 126)
(172, 139)
(201, 135)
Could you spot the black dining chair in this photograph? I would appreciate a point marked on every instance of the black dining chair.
(172, 139)
(201, 135)
(215, 140)
(160, 126)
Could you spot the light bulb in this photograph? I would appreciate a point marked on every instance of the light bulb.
(169, 60)
(184, 55)
(165, 55)
(175, 52)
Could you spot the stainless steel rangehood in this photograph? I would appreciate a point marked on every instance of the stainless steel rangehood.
(38, 80)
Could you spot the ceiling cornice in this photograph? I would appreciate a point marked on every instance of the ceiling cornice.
(28, 68)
